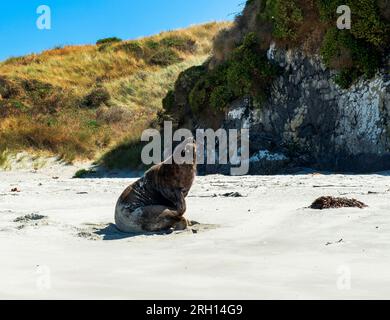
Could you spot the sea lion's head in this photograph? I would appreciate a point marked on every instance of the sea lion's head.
(178, 172)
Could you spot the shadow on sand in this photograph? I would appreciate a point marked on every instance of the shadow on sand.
(111, 232)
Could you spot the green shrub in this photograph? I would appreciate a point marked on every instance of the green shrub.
(286, 16)
(185, 83)
(82, 173)
(52, 121)
(346, 77)
(368, 25)
(93, 124)
(358, 51)
(328, 8)
(134, 48)
(32, 95)
(18, 105)
(220, 97)
(165, 57)
(247, 72)
(198, 96)
(37, 89)
(106, 47)
(182, 43)
(8, 88)
(96, 98)
(169, 101)
(12, 107)
(191, 76)
(108, 40)
(353, 57)
(152, 44)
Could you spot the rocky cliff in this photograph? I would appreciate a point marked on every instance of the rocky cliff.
(311, 94)
(314, 122)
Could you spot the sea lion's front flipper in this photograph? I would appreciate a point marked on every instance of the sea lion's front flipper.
(176, 197)
(160, 218)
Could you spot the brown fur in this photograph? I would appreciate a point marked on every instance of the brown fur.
(156, 202)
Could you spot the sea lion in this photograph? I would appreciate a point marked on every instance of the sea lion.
(156, 202)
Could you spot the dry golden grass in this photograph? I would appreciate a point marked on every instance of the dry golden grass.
(43, 99)
(78, 67)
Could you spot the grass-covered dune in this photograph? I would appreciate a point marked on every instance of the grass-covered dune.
(78, 102)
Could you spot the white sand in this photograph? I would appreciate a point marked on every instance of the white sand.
(263, 245)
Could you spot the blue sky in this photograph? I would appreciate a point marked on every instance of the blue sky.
(85, 21)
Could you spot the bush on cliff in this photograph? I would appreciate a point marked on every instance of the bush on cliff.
(239, 66)
(358, 51)
(246, 73)
(285, 15)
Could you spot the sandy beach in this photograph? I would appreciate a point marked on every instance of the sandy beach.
(57, 240)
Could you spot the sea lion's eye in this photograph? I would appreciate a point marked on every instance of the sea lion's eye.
(183, 153)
